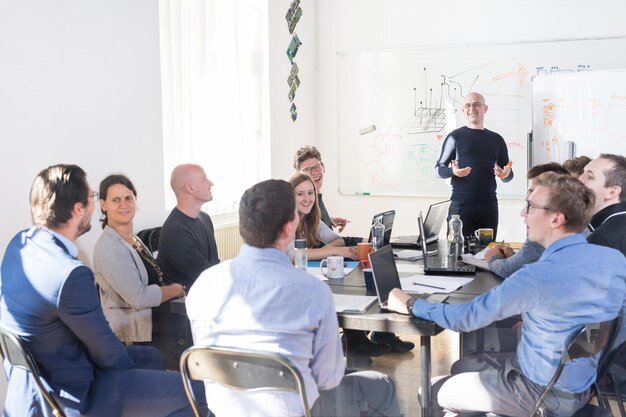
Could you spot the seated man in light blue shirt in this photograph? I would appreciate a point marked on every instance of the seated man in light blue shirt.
(260, 301)
(573, 283)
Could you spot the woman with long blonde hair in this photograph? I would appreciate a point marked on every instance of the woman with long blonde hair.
(321, 240)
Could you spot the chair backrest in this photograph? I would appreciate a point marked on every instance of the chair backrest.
(13, 350)
(150, 238)
(241, 369)
(589, 340)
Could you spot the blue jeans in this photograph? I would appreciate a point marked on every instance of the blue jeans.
(476, 215)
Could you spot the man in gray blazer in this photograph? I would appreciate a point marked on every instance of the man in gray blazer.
(48, 298)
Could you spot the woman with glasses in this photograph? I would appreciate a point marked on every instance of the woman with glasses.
(129, 279)
(321, 240)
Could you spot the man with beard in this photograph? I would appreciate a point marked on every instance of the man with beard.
(49, 299)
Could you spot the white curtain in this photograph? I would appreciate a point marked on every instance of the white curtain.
(215, 96)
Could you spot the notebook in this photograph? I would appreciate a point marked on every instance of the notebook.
(435, 218)
(385, 274)
(387, 221)
(439, 265)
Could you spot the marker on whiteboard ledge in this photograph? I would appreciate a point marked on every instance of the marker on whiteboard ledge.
(367, 130)
(361, 193)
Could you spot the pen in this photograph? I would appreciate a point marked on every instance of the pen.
(362, 193)
(429, 286)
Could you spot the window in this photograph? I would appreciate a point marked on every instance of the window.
(215, 93)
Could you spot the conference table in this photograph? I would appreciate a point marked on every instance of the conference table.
(375, 319)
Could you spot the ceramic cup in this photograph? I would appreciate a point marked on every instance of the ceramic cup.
(484, 236)
(334, 267)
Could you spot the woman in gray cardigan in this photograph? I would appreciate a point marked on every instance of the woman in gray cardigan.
(130, 281)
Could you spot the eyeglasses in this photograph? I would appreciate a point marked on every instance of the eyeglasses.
(537, 206)
(94, 195)
(314, 168)
(475, 105)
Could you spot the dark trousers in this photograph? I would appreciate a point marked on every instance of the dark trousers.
(476, 215)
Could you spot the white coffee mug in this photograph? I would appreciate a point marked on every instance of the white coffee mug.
(334, 266)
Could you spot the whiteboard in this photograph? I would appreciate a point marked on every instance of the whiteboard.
(395, 107)
(588, 109)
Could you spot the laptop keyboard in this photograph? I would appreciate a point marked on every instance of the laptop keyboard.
(405, 239)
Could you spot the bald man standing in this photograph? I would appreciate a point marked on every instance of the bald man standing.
(473, 156)
(187, 242)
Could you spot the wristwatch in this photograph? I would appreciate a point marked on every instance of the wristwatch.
(409, 305)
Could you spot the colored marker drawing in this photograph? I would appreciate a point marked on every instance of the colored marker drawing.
(419, 162)
(380, 165)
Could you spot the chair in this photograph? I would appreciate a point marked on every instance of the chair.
(590, 340)
(609, 370)
(12, 349)
(241, 369)
(150, 238)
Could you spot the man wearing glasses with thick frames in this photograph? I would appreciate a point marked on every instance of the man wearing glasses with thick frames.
(473, 156)
(573, 283)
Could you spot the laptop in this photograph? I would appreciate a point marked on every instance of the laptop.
(435, 218)
(386, 278)
(439, 265)
(387, 218)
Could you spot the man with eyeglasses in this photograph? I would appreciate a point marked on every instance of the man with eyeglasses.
(48, 297)
(573, 283)
(473, 156)
(309, 161)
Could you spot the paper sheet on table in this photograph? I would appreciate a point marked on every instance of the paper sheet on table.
(352, 303)
(433, 284)
(319, 276)
(470, 259)
(413, 255)
(479, 255)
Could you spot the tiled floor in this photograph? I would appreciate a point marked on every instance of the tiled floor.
(405, 367)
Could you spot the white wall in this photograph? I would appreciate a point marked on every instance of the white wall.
(349, 25)
(79, 83)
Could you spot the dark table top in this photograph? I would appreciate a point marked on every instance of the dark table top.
(374, 318)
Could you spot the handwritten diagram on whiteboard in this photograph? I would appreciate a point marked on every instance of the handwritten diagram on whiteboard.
(396, 107)
(588, 109)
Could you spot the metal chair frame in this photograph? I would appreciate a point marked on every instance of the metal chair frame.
(590, 340)
(13, 349)
(241, 369)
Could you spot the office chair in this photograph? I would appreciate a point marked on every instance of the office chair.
(241, 369)
(150, 238)
(13, 350)
(590, 340)
(610, 373)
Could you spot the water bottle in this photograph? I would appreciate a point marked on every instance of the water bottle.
(455, 239)
(300, 257)
(378, 234)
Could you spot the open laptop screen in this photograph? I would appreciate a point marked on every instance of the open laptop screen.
(387, 221)
(385, 273)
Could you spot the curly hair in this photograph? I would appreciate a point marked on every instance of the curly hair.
(304, 153)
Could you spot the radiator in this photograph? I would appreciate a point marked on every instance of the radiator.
(228, 240)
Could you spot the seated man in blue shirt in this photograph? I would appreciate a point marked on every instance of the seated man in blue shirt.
(260, 301)
(573, 283)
